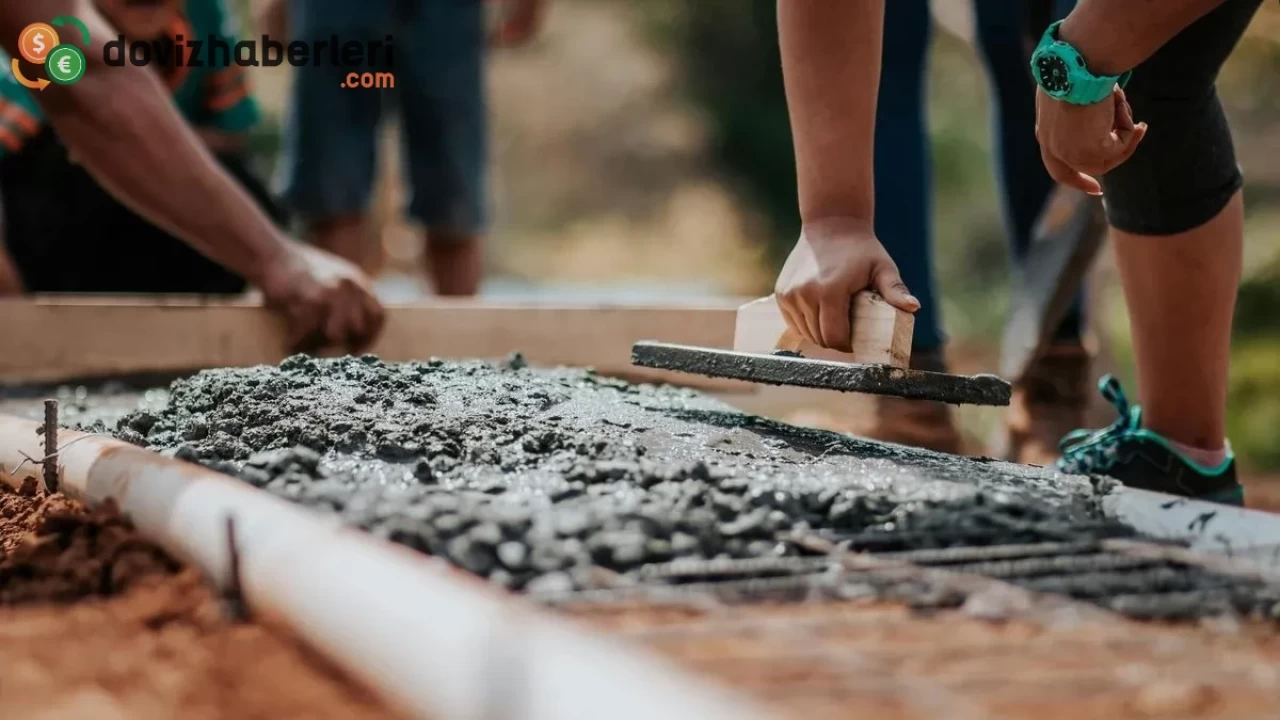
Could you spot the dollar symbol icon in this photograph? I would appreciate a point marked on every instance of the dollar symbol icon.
(66, 64)
(37, 41)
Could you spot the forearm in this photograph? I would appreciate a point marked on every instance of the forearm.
(1115, 36)
(831, 67)
(121, 125)
(220, 142)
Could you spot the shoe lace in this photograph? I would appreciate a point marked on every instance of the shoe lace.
(1094, 452)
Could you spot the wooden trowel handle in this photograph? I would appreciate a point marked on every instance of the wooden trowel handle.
(881, 332)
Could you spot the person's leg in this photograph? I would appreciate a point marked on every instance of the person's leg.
(1025, 186)
(36, 212)
(1053, 397)
(68, 234)
(1177, 216)
(1181, 292)
(904, 213)
(454, 261)
(904, 195)
(331, 131)
(442, 96)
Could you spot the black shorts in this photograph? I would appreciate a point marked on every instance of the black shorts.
(67, 234)
(1184, 172)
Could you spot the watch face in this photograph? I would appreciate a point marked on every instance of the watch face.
(1053, 74)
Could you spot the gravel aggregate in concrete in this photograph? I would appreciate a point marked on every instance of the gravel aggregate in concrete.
(533, 476)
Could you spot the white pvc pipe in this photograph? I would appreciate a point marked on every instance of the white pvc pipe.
(1243, 534)
(430, 639)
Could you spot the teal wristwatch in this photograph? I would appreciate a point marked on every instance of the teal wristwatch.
(1060, 70)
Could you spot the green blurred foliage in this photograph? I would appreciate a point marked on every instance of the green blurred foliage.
(1258, 307)
(1255, 400)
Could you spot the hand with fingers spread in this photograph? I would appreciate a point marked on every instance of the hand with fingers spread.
(327, 301)
(1080, 143)
(835, 259)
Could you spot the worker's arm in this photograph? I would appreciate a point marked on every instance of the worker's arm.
(831, 67)
(120, 124)
(1115, 36)
(1080, 143)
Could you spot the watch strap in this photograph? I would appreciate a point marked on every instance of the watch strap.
(1086, 88)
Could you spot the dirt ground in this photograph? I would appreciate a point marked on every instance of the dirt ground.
(823, 660)
(96, 623)
(1262, 492)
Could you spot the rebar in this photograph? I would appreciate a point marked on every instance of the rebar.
(51, 446)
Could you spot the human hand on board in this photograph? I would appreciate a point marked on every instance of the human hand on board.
(326, 300)
(835, 259)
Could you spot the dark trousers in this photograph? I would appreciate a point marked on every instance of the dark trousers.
(66, 233)
(1006, 32)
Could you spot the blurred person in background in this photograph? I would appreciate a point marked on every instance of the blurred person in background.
(122, 126)
(1052, 400)
(332, 135)
(64, 232)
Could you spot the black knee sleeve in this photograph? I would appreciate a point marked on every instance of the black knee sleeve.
(1184, 172)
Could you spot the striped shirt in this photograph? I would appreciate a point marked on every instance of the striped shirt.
(218, 97)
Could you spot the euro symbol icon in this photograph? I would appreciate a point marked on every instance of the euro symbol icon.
(66, 64)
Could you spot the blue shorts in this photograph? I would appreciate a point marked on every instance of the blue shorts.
(331, 138)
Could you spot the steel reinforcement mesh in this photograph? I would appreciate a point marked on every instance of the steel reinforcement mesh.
(1137, 580)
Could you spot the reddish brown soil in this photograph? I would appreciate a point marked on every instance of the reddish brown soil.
(97, 623)
(848, 660)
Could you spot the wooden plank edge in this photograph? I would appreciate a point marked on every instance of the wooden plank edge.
(93, 337)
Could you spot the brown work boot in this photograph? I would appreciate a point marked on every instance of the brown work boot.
(918, 423)
(1048, 403)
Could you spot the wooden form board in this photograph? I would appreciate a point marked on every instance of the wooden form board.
(881, 332)
(48, 339)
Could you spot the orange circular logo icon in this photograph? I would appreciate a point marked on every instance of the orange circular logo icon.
(35, 42)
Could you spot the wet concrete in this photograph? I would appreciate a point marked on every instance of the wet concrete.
(531, 477)
(789, 368)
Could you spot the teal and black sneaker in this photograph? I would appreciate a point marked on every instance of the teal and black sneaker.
(1143, 459)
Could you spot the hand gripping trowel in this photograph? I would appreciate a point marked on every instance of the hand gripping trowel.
(766, 351)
